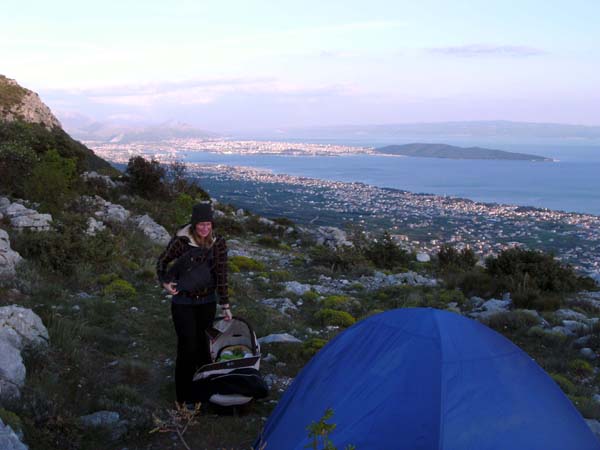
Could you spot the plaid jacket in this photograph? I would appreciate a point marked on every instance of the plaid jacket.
(182, 242)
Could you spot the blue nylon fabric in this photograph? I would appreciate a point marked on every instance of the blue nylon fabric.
(425, 379)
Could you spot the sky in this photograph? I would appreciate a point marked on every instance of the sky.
(235, 65)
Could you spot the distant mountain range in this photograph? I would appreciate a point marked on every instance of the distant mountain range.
(452, 152)
(123, 133)
(492, 129)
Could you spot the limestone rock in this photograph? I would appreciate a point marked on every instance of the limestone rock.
(110, 212)
(106, 419)
(25, 323)
(93, 226)
(96, 176)
(278, 338)
(569, 314)
(588, 353)
(9, 439)
(28, 107)
(423, 257)
(490, 308)
(155, 232)
(8, 257)
(296, 287)
(332, 237)
(12, 371)
(280, 304)
(22, 217)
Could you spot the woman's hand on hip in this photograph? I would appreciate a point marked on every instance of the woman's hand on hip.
(171, 288)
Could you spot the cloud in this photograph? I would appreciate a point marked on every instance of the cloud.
(484, 50)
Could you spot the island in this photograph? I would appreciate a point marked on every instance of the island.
(452, 152)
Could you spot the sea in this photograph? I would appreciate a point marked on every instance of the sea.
(571, 183)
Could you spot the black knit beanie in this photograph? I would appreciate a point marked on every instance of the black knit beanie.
(202, 212)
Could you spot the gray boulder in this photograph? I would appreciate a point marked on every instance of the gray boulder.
(332, 237)
(8, 257)
(25, 323)
(569, 314)
(490, 308)
(279, 338)
(296, 287)
(280, 304)
(588, 353)
(9, 439)
(94, 226)
(96, 176)
(423, 257)
(110, 212)
(155, 232)
(109, 420)
(12, 372)
(24, 218)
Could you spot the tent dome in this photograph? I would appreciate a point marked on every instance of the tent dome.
(425, 379)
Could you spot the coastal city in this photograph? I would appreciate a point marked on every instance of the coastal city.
(173, 149)
(421, 221)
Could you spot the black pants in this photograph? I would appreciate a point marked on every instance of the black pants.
(192, 344)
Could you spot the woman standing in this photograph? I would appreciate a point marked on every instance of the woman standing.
(197, 278)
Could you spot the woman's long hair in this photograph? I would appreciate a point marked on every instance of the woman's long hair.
(204, 242)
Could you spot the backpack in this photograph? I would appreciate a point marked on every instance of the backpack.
(192, 270)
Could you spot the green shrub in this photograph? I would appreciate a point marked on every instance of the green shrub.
(123, 394)
(107, 278)
(120, 289)
(567, 386)
(520, 269)
(581, 368)
(146, 178)
(472, 282)
(344, 259)
(52, 181)
(312, 346)
(279, 275)
(332, 317)
(384, 253)
(268, 241)
(335, 301)
(310, 296)
(16, 164)
(451, 259)
(246, 264)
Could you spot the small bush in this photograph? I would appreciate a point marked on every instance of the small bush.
(268, 241)
(246, 264)
(332, 317)
(310, 296)
(312, 346)
(335, 301)
(279, 275)
(567, 386)
(120, 289)
(107, 278)
(345, 259)
(588, 408)
(384, 253)
(581, 368)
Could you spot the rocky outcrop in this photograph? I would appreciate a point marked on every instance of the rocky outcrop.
(110, 212)
(21, 104)
(380, 280)
(19, 328)
(94, 226)
(109, 420)
(332, 237)
(22, 218)
(155, 232)
(280, 304)
(8, 257)
(87, 176)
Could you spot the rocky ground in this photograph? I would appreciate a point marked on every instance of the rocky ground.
(89, 363)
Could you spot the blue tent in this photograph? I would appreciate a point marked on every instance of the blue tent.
(425, 379)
